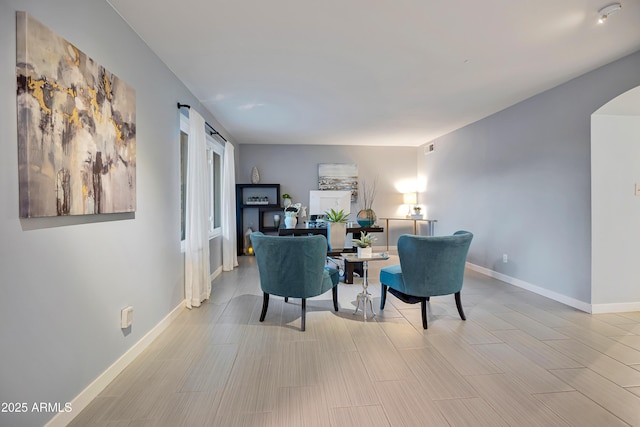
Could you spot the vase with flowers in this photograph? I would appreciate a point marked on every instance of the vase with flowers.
(364, 243)
(291, 215)
(367, 217)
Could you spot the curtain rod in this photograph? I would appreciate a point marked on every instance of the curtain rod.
(213, 130)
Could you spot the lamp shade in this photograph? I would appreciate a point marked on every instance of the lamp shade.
(410, 198)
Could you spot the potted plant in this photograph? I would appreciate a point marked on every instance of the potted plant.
(336, 228)
(286, 200)
(417, 212)
(364, 243)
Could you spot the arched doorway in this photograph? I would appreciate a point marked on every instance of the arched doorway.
(615, 204)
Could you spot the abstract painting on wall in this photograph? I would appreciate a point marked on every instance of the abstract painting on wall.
(76, 129)
(339, 176)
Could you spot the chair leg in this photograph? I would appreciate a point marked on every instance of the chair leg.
(459, 305)
(423, 308)
(286, 299)
(383, 296)
(304, 313)
(265, 305)
(334, 291)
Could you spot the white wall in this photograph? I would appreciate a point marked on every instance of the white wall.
(63, 281)
(615, 170)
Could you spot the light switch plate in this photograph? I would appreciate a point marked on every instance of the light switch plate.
(637, 189)
(126, 317)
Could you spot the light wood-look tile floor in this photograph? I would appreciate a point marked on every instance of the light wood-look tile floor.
(519, 360)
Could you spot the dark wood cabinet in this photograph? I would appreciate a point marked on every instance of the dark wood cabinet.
(261, 199)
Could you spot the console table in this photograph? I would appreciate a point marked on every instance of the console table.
(304, 231)
(430, 223)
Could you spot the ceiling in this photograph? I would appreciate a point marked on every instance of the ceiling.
(374, 72)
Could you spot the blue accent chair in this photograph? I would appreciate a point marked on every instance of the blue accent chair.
(429, 266)
(293, 267)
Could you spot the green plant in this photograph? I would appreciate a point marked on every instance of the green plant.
(365, 240)
(286, 196)
(336, 216)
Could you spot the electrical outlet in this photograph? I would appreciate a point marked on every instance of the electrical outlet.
(126, 317)
(505, 258)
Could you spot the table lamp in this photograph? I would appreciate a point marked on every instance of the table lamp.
(410, 199)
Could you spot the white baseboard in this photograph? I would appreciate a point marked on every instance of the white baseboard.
(621, 307)
(572, 302)
(216, 273)
(85, 397)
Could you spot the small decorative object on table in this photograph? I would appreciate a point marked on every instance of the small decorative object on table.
(276, 221)
(417, 213)
(291, 215)
(364, 244)
(255, 175)
(286, 200)
(337, 229)
(248, 248)
(367, 217)
(257, 200)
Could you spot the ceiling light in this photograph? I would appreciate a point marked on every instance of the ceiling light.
(608, 10)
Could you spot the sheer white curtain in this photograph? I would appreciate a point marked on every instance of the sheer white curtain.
(197, 286)
(229, 254)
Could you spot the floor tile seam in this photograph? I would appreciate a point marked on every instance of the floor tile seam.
(604, 408)
(225, 387)
(614, 343)
(526, 350)
(598, 359)
(583, 395)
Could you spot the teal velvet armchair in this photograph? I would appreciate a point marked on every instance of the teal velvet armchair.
(429, 266)
(293, 267)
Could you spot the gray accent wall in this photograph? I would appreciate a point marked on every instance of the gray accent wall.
(63, 281)
(520, 181)
(295, 168)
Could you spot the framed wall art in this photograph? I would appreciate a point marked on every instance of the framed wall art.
(339, 176)
(76, 129)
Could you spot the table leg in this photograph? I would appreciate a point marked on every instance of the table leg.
(365, 296)
(386, 229)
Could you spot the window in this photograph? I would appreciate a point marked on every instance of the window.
(184, 144)
(215, 151)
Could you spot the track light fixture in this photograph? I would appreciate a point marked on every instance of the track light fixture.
(608, 10)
